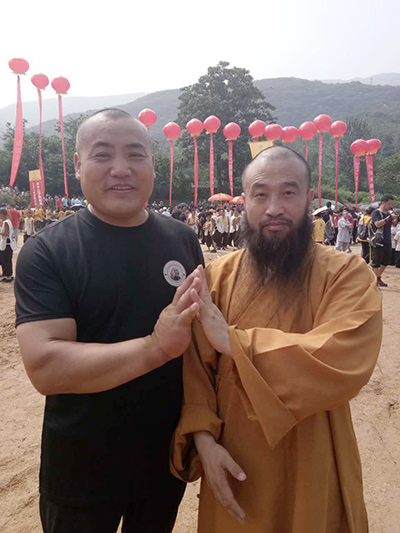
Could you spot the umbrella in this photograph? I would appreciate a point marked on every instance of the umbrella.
(320, 210)
(237, 200)
(220, 197)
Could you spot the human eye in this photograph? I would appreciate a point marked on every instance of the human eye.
(289, 194)
(101, 155)
(136, 155)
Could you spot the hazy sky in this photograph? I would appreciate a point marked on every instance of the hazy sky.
(123, 47)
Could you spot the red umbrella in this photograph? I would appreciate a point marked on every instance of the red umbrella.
(220, 197)
(237, 200)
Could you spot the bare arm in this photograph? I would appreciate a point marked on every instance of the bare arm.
(57, 364)
(4, 230)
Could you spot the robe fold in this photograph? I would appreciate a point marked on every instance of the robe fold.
(279, 405)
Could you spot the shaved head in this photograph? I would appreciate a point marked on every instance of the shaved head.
(276, 153)
(106, 114)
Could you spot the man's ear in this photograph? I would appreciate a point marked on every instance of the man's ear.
(77, 165)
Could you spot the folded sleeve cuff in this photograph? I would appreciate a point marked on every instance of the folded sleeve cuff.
(185, 462)
(260, 402)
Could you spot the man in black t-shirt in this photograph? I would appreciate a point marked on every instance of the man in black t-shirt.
(381, 254)
(103, 314)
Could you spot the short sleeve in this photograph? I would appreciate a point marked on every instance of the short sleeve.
(40, 292)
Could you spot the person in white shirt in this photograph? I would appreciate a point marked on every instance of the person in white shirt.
(345, 228)
(221, 233)
(396, 241)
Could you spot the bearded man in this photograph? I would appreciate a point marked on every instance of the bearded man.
(288, 334)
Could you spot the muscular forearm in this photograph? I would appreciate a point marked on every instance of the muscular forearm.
(67, 367)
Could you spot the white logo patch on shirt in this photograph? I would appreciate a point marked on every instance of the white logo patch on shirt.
(174, 273)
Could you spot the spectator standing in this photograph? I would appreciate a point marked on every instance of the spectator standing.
(8, 244)
(381, 242)
(345, 229)
(363, 233)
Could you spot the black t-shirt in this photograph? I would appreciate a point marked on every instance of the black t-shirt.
(378, 215)
(114, 281)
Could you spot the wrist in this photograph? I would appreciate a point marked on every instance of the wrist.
(203, 441)
(154, 350)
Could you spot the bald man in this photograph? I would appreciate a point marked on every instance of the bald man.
(288, 333)
(103, 316)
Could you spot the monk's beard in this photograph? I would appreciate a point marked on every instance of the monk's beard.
(284, 258)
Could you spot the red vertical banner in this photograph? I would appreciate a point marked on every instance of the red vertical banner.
(35, 186)
(320, 169)
(230, 165)
(60, 113)
(18, 136)
(356, 163)
(196, 170)
(369, 160)
(40, 140)
(211, 164)
(171, 157)
(337, 172)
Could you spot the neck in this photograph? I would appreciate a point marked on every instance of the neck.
(135, 220)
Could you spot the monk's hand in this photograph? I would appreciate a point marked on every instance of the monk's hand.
(172, 332)
(214, 324)
(218, 465)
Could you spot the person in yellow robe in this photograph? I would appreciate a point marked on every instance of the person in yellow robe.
(287, 334)
(319, 229)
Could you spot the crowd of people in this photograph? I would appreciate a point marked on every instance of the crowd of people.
(377, 229)
(218, 227)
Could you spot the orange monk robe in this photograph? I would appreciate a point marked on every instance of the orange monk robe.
(280, 405)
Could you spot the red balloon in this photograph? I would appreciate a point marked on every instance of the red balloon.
(338, 129)
(212, 124)
(307, 131)
(172, 130)
(359, 147)
(231, 131)
(289, 134)
(195, 127)
(273, 132)
(323, 122)
(147, 117)
(373, 146)
(40, 81)
(60, 85)
(18, 65)
(257, 128)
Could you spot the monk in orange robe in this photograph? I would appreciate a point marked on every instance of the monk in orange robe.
(287, 334)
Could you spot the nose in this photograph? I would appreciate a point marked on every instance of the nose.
(274, 207)
(120, 167)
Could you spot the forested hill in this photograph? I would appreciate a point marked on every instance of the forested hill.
(295, 100)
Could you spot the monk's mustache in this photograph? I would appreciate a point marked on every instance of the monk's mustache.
(276, 220)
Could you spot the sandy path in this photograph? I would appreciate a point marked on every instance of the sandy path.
(376, 413)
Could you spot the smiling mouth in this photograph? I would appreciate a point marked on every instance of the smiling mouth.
(122, 188)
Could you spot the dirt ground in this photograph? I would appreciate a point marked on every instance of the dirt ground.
(376, 413)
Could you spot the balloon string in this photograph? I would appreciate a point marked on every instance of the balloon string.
(337, 171)
(171, 157)
(320, 169)
(42, 186)
(356, 163)
(369, 160)
(18, 136)
(196, 170)
(60, 112)
(306, 152)
(211, 164)
(230, 165)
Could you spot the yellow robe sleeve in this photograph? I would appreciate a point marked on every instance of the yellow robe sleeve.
(287, 377)
(199, 412)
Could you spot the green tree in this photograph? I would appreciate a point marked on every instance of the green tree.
(230, 94)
